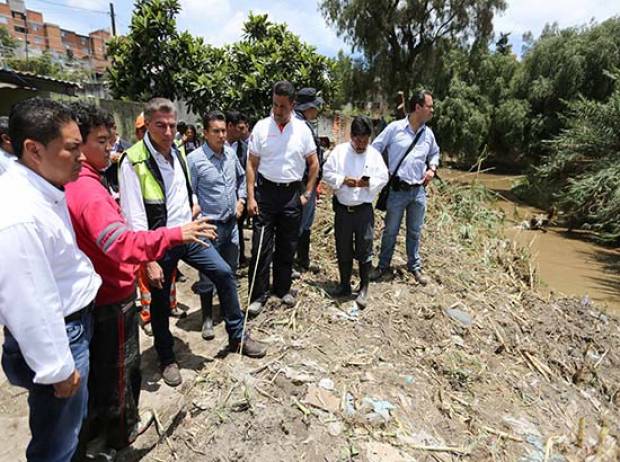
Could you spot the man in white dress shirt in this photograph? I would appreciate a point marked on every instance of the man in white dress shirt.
(356, 172)
(47, 285)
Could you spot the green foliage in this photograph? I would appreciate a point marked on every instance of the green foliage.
(243, 73)
(463, 119)
(44, 65)
(583, 167)
(7, 43)
(155, 60)
(402, 41)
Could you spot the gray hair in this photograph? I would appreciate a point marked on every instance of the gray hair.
(158, 105)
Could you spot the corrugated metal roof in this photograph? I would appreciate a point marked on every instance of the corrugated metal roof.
(42, 82)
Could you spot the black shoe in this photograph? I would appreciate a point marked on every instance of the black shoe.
(344, 288)
(362, 295)
(172, 375)
(420, 279)
(206, 305)
(378, 273)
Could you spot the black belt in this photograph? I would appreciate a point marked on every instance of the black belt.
(350, 208)
(78, 314)
(264, 181)
(400, 185)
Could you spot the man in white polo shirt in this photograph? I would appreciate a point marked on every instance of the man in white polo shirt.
(47, 285)
(280, 147)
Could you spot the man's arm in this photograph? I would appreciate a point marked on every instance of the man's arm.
(330, 171)
(312, 161)
(31, 307)
(251, 172)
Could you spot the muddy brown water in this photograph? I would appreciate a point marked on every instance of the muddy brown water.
(567, 262)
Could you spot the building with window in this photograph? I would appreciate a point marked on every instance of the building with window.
(35, 36)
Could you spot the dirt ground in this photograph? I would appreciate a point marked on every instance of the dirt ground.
(475, 366)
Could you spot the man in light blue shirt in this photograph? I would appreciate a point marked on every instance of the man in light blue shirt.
(408, 191)
(219, 183)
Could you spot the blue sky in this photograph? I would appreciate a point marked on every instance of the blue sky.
(220, 21)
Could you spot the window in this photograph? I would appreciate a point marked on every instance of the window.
(17, 14)
(21, 30)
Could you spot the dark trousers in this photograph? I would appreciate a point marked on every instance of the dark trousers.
(115, 378)
(54, 422)
(207, 261)
(354, 229)
(279, 215)
(240, 225)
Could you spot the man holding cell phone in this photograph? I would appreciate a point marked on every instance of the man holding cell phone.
(356, 172)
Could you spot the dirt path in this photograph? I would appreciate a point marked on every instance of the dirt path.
(475, 366)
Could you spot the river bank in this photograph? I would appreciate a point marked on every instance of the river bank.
(476, 366)
(566, 262)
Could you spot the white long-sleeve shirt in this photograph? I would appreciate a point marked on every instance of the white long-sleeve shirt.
(345, 162)
(177, 202)
(44, 276)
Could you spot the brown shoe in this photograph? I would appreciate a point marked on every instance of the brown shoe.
(251, 348)
(172, 375)
(417, 275)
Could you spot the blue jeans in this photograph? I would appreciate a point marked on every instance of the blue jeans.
(54, 422)
(208, 261)
(227, 245)
(414, 202)
(307, 213)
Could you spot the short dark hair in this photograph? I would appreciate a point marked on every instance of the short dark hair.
(89, 117)
(419, 99)
(284, 88)
(158, 105)
(211, 116)
(38, 119)
(181, 127)
(233, 117)
(4, 125)
(360, 126)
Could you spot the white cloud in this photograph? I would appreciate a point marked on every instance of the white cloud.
(531, 15)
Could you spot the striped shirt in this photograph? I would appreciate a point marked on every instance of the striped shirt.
(218, 182)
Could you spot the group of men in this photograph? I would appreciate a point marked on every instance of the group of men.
(71, 251)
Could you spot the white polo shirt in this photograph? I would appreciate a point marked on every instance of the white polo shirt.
(282, 150)
(44, 276)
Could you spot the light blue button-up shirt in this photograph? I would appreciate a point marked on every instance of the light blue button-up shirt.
(397, 137)
(218, 182)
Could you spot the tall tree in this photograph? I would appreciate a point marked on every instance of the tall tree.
(398, 37)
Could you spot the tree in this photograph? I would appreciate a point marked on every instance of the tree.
(399, 37)
(8, 44)
(150, 60)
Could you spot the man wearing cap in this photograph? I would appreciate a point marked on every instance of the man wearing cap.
(411, 140)
(356, 172)
(307, 107)
(280, 148)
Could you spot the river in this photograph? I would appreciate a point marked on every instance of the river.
(566, 262)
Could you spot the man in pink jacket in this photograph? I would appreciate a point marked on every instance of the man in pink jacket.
(103, 235)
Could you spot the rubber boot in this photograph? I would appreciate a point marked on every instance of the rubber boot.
(362, 295)
(206, 305)
(303, 251)
(344, 288)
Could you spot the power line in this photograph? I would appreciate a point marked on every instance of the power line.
(79, 8)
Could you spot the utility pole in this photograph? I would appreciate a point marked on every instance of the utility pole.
(113, 18)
